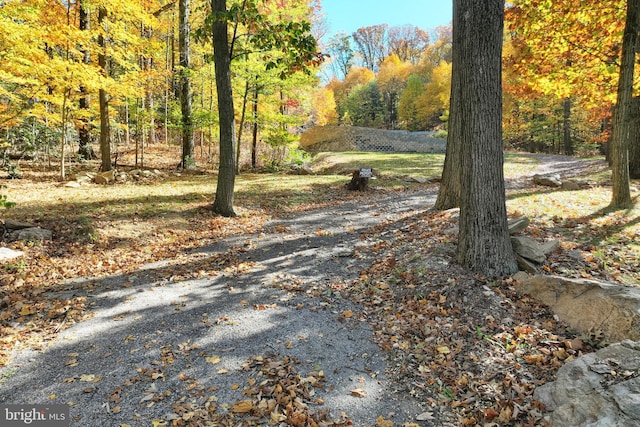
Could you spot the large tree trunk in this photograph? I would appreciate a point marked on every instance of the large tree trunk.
(105, 128)
(449, 194)
(188, 147)
(621, 197)
(85, 151)
(223, 203)
(484, 245)
(634, 143)
(254, 143)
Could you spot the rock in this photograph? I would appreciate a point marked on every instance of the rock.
(73, 184)
(570, 185)
(549, 247)
(418, 179)
(598, 389)
(520, 276)
(11, 224)
(526, 265)
(517, 225)
(528, 248)
(6, 253)
(547, 180)
(589, 306)
(31, 234)
(305, 170)
(105, 177)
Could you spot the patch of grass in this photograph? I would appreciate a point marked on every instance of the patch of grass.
(384, 164)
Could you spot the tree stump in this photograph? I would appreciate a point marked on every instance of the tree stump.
(360, 179)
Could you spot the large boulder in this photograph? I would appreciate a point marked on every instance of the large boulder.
(606, 310)
(30, 234)
(598, 389)
(547, 180)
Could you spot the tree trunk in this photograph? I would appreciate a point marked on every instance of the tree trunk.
(449, 194)
(241, 124)
(634, 143)
(105, 128)
(484, 245)
(568, 142)
(85, 150)
(621, 197)
(223, 203)
(188, 147)
(254, 145)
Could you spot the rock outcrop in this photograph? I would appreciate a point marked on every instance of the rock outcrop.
(597, 389)
(605, 310)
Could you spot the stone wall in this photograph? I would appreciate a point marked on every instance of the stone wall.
(351, 138)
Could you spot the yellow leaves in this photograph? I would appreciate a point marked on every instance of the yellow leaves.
(443, 349)
(213, 359)
(27, 310)
(90, 378)
(381, 422)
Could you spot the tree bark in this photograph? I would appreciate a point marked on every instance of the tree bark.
(188, 146)
(105, 128)
(621, 195)
(223, 203)
(634, 143)
(484, 245)
(85, 151)
(254, 144)
(450, 184)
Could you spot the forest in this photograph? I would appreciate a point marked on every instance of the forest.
(75, 75)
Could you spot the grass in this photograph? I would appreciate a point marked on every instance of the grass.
(174, 210)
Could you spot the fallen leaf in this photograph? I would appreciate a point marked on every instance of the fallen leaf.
(425, 416)
(358, 392)
(223, 371)
(88, 378)
(27, 310)
(381, 422)
(443, 349)
(242, 407)
(347, 313)
(213, 359)
(52, 396)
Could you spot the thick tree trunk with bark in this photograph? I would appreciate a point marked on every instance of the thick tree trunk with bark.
(484, 245)
(188, 146)
(449, 194)
(105, 128)
(223, 203)
(85, 150)
(254, 136)
(634, 143)
(621, 197)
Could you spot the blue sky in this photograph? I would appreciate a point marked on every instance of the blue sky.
(349, 15)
